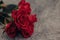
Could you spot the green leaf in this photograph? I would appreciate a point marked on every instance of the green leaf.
(10, 7)
(2, 17)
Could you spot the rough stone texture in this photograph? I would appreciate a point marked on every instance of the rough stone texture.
(48, 25)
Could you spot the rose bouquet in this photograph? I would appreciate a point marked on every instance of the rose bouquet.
(23, 21)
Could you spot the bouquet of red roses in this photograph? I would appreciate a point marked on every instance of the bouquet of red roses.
(23, 21)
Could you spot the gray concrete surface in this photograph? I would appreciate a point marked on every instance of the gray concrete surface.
(48, 25)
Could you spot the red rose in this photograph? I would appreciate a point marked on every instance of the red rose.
(24, 5)
(25, 8)
(10, 29)
(21, 11)
(32, 18)
(27, 31)
(21, 17)
(21, 20)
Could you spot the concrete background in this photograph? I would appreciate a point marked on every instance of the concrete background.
(48, 25)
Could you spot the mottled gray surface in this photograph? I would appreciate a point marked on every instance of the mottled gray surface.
(48, 25)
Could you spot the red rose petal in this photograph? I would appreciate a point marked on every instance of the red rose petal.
(32, 18)
(14, 12)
